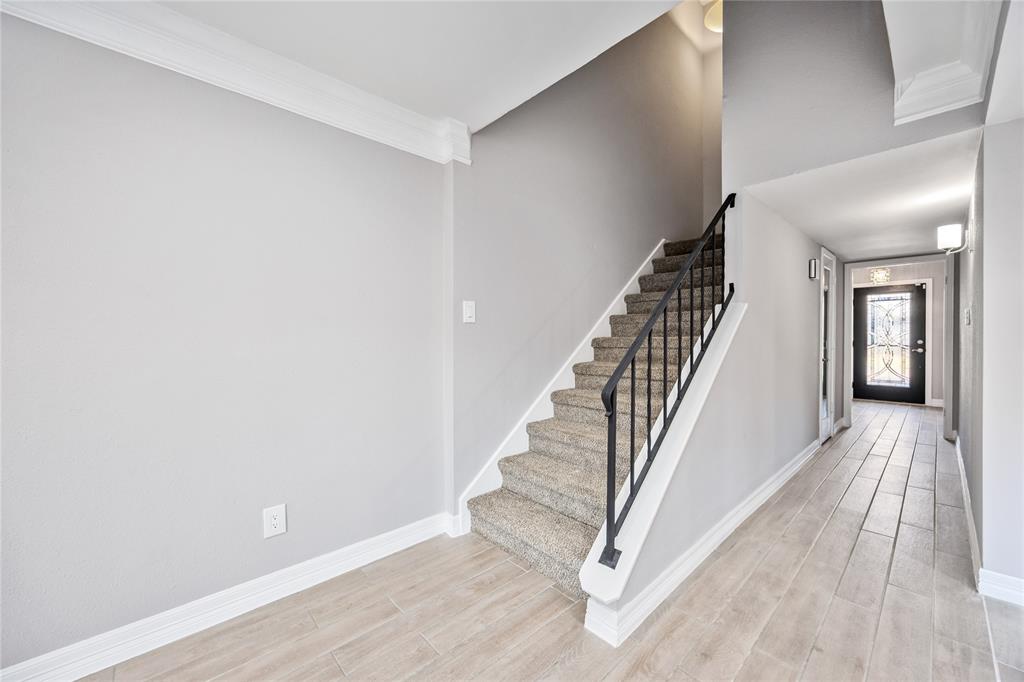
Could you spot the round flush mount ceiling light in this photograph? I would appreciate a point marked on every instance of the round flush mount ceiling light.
(880, 276)
(713, 16)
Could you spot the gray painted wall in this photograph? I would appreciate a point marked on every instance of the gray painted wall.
(1002, 345)
(762, 410)
(936, 271)
(711, 133)
(565, 198)
(809, 83)
(968, 360)
(210, 306)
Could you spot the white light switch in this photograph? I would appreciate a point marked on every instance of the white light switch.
(469, 312)
(967, 316)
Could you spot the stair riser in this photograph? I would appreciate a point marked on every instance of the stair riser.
(631, 329)
(583, 510)
(616, 354)
(646, 307)
(583, 415)
(662, 281)
(594, 458)
(597, 382)
(673, 263)
(567, 577)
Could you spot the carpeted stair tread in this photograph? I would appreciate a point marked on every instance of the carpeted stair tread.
(661, 281)
(673, 263)
(553, 543)
(605, 369)
(684, 246)
(575, 491)
(578, 434)
(590, 399)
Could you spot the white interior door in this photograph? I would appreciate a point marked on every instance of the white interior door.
(826, 347)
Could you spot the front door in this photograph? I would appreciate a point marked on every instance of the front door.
(889, 343)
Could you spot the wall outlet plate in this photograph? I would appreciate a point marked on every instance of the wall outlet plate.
(275, 520)
(469, 312)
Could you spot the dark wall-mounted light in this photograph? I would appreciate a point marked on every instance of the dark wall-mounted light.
(812, 268)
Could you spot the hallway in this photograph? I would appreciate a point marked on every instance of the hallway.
(860, 563)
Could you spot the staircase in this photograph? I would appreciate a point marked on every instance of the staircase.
(551, 504)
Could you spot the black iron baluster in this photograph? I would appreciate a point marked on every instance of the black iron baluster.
(649, 340)
(632, 423)
(664, 362)
(679, 337)
(714, 277)
(690, 349)
(610, 555)
(703, 283)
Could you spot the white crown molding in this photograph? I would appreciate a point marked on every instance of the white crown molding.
(921, 35)
(118, 645)
(161, 36)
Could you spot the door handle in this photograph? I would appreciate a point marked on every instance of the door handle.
(917, 350)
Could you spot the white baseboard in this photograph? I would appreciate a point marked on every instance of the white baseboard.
(1000, 586)
(119, 645)
(935, 402)
(972, 532)
(841, 423)
(517, 440)
(614, 624)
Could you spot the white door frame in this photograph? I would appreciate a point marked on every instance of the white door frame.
(848, 324)
(826, 360)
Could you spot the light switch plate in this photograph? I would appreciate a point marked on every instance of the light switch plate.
(469, 312)
(275, 520)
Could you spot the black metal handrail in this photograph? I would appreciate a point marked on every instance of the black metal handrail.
(610, 555)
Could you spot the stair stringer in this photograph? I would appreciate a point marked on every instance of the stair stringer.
(517, 440)
(607, 616)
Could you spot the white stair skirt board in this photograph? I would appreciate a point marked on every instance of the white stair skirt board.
(517, 439)
(1001, 586)
(607, 617)
(165, 38)
(118, 645)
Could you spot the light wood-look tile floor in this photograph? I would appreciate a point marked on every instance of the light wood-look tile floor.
(859, 567)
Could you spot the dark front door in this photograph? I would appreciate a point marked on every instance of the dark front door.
(889, 343)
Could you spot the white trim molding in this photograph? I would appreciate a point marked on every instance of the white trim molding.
(941, 55)
(119, 645)
(1000, 586)
(517, 440)
(614, 623)
(158, 35)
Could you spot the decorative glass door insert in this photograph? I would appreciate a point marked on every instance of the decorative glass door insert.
(888, 351)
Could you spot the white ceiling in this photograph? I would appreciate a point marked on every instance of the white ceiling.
(472, 61)
(883, 205)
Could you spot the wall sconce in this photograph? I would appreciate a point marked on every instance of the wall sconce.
(812, 268)
(949, 238)
(880, 276)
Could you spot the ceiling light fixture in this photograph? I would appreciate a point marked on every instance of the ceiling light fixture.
(880, 276)
(949, 238)
(713, 16)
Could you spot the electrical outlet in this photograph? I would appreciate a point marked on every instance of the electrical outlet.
(275, 521)
(469, 312)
